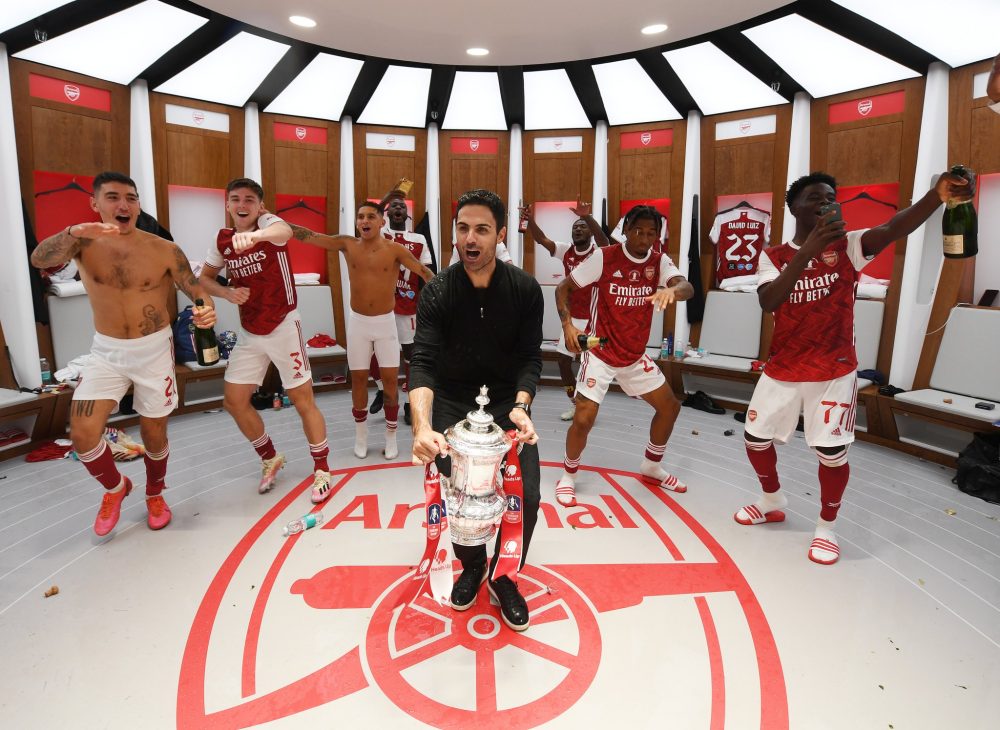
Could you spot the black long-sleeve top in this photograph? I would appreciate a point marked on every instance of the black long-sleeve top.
(468, 337)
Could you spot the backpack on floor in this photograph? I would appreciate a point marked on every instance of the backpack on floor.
(184, 336)
(979, 467)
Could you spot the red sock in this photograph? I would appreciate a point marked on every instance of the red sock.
(319, 452)
(360, 414)
(264, 447)
(832, 483)
(374, 371)
(654, 452)
(101, 465)
(391, 417)
(156, 471)
(764, 460)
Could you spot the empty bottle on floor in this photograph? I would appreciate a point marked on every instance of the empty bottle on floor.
(303, 523)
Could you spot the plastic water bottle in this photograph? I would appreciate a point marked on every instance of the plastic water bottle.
(303, 523)
(667, 347)
(46, 371)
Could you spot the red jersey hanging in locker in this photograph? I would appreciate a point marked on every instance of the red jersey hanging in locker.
(739, 234)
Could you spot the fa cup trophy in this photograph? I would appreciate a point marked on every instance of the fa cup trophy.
(474, 492)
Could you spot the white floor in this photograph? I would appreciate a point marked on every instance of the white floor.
(649, 609)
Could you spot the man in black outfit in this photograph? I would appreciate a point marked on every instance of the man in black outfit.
(479, 322)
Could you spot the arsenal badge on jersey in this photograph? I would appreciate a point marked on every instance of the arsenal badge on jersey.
(830, 258)
(649, 271)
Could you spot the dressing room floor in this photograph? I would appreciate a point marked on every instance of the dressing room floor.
(649, 609)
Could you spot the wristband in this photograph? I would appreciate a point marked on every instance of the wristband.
(526, 407)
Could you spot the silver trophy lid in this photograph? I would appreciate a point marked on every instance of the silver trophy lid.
(477, 433)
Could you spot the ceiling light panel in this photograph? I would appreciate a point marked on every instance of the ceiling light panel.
(475, 102)
(121, 46)
(717, 82)
(320, 90)
(630, 96)
(12, 14)
(400, 99)
(230, 73)
(551, 103)
(822, 61)
(961, 32)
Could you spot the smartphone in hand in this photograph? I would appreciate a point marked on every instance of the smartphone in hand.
(835, 207)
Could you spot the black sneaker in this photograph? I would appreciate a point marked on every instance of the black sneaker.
(513, 607)
(740, 416)
(407, 418)
(463, 593)
(701, 401)
(377, 402)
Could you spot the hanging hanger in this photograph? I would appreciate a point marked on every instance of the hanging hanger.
(744, 204)
(72, 185)
(863, 195)
(301, 204)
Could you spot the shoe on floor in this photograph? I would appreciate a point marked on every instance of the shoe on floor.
(463, 593)
(376, 405)
(269, 469)
(159, 513)
(321, 486)
(701, 401)
(568, 415)
(740, 416)
(513, 607)
(111, 509)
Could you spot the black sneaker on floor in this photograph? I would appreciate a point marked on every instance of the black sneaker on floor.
(701, 401)
(740, 416)
(377, 402)
(513, 607)
(463, 593)
(407, 418)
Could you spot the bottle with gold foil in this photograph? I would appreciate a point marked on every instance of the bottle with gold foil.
(590, 342)
(960, 226)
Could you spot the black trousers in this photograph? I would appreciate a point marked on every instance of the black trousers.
(446, 413)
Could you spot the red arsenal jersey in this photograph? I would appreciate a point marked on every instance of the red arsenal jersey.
(579, 300)
(265, 270)
(620, 311)
(407, 282)
(740, 235)
(814, 330)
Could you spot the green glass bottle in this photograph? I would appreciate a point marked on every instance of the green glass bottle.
(206, 346)
(960, 226)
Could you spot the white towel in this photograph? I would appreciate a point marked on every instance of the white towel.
(67, 288)
(307, 278)
(73, 369)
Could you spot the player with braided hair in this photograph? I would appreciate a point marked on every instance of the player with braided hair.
(629, 280)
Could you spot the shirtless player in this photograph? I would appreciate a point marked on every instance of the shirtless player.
(373, 264)
(130, 276)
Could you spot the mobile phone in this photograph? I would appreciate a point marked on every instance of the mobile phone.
(985, 406)
(835, 207)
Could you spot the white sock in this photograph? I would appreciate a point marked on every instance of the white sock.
(771, 501)
(824, 530)
(653, 469)
(120, 487)
(361, 439)
(568, 478)
(391, 450)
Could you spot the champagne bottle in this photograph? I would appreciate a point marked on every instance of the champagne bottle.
(960, 226)
(206, 347)
(522, 221)
(588, 343)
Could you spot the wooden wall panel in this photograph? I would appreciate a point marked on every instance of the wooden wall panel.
(293, 167)
(880, 149)
(461, 171)
(193, 156)
(376, 171)
(645, 173)
(64, 137)
(744, 168)
(555, 176)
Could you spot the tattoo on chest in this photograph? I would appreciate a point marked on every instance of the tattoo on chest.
(152, 320)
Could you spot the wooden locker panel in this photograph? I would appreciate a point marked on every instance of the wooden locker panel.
(866, 156)
(744, 168)
(644, 176)
(300, 171)
(554, 178)
(985, 141)
(376, 171)
(199, 160)
(69, 142)
(384, 171)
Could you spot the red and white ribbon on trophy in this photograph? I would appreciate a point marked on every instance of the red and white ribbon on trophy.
(437, 561)
(512, 525)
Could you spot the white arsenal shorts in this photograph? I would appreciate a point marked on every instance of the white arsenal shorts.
(366, 335)
(580, 324)
(406, 326)
(145, 363)
(828, 408)
(641, 377)
(284, 346)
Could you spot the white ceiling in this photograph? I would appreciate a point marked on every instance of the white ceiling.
(516, 32)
